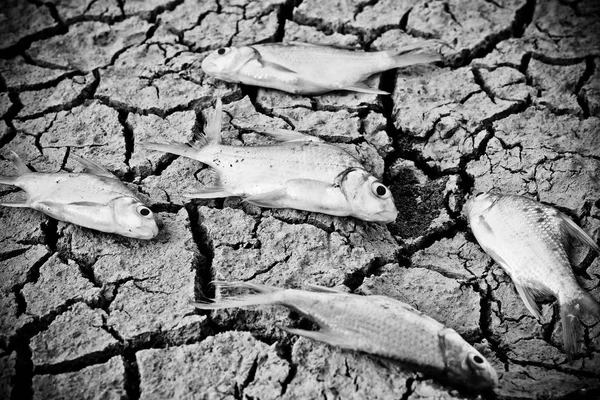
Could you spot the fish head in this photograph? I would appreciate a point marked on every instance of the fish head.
(133, 219)
(464, 365)
(224, 63)
(480, 202)
(368, 198)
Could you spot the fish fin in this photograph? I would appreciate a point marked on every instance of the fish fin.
(92, 167)
(179, 149)
(570, 228)
(270, 199)
(212, 127)
(209, 192)
(405, 56)
(259, 68)
(323, 289)
(266, 295)
(324, 335)
(364, 88)
(8, 180)
(19, 164)
(528, 296)
(20, 201)
(570, 316)
(286, 135)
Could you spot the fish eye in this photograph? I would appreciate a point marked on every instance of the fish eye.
(379, 189)
(476, 360)
(143, 211)
(221, 51)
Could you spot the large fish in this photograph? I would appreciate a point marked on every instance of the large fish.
(377, 325)
(301, 172)
(95, 199)
(530, 241)
(310, 69)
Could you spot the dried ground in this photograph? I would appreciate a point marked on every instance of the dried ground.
(90, 315)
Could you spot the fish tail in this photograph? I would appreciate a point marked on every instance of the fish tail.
(571, 313)
(413, 54)
(265, 295)
(8, 180)
(19, 164)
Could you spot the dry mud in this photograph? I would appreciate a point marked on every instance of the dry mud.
(516, 105)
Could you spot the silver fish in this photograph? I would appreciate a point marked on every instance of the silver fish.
(377, 325)
(301, 172)
(94, 199)
(530, 241)
(303, 68)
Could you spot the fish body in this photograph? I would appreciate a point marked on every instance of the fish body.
(303, 68)
(300, 172)
(95, 199)
(530, 241)
(377, 325)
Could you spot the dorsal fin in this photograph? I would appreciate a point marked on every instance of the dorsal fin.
(212, 127)
(19, 164)
(92, 167)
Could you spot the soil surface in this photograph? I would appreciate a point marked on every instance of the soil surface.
(515, 105)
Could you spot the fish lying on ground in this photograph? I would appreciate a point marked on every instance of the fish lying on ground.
(301, 172)
(94, 199)
(303, 68)
(377, 325)
(530, 241)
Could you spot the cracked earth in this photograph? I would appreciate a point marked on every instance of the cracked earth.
(516, 105)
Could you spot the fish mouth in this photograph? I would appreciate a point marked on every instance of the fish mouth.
(208, 66)
(145, 232)
(385, 217)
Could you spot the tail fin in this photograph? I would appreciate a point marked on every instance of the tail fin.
(266, 295)
(212, 135)
(570, 314)
(410, 55)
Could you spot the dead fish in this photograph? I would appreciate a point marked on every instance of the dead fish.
(530, 241)
(301, 172)
(94, 199)
(303, 68)
(377, 325)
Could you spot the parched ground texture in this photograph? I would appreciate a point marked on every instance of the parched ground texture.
(516, 105)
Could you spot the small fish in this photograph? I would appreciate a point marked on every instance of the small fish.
(303, 68)
(301, 172)
(377, 325)
(530, 241)
(95, 199)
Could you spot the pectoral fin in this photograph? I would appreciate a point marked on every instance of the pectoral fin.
(286, 135)
(262, 70)
(323, 335)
